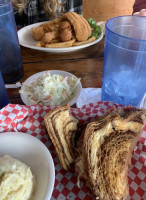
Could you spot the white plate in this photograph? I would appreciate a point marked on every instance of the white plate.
(35, 154)
(26, 40)
(62, 73)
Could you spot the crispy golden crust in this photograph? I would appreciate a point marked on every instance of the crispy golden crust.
(70, 26)
(80, 25)
(65, 35)
(108, 144)
(61, 126)
(38, 33)
(60, 44)
(84, 42)
(51, 25)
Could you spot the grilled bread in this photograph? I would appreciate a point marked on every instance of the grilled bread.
(61, 126)
(107, 149)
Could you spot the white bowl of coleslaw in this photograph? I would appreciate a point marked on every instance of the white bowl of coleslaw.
(49, 88)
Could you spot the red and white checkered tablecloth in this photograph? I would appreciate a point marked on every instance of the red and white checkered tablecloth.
(30, 119)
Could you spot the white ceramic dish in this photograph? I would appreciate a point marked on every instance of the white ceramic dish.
(62, 73)
(26, 40)
(35, 154)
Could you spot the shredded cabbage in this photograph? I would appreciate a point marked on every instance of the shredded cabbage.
(50, 89)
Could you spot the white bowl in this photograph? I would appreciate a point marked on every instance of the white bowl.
(35, 154)
(62, 73)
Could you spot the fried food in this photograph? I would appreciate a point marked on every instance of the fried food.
(65, 35)
(48, 37)
(51, 25)
(76, 43)
(64, 25)
(71, 30)
(65, 31)
(39, 44)
(38, 33)
(80, 25)
(42, 44)
(60, 44)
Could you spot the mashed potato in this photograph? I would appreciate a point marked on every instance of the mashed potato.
(16, 180)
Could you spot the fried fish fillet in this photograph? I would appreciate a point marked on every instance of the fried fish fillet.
(61, 126)
(80, 25)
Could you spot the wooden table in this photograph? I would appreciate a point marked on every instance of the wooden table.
(86, 64)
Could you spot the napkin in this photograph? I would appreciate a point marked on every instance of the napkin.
(88, 95)
(91, 95)
(143, 102)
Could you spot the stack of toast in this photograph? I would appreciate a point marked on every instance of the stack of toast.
(104, 148)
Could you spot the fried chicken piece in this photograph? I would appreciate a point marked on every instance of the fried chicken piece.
(48, 37)
(65, 31)
(51, 27)
(64, 25)
(38, 33)
(65, 35)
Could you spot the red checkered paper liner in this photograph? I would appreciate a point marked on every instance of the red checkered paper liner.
(30, 119)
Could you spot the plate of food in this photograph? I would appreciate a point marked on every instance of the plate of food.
(26, 166)
(51, 88)
(103, 151)
(69, 33)
(93, 143)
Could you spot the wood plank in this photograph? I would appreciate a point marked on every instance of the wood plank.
(94, 51)
(89, 70)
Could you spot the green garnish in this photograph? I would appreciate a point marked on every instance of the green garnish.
(96, 29)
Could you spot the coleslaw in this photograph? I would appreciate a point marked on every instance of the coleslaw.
(50, 89)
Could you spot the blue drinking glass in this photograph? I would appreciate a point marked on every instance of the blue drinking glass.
(10, 55)
(124, 68)
(4, 100)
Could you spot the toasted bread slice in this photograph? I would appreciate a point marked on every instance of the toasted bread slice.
(61, 126)
(108, 144)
